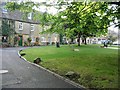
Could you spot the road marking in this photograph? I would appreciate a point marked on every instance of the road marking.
(3, 71)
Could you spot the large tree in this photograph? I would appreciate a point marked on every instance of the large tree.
(83, 20)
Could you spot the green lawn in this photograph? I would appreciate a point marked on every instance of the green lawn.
(98, 67)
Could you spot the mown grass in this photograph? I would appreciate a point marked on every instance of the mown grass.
(98, 67)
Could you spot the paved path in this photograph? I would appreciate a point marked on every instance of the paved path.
(21, 74)
(113, 48)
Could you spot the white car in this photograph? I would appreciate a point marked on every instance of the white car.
(116, 43)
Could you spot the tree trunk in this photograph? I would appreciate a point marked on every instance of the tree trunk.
(85, 41)
(61, 38)
(78, 39)
(82, 40)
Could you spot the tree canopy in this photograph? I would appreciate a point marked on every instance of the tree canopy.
(84, 20)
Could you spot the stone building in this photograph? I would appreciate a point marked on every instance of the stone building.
(13, 25)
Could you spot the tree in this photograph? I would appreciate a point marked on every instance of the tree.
(8, 30)
(82, 20)
(7, 27)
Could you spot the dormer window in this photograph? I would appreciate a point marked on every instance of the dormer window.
(4, 10)
(30, 16)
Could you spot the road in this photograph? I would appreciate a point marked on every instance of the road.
(22, 74)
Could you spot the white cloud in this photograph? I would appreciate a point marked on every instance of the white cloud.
(51, 10)
(113, 28)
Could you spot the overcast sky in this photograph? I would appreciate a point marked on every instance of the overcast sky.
(50, 10)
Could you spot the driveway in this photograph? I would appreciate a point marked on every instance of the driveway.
(21, 74)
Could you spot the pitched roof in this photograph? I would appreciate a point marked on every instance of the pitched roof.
(14, 15)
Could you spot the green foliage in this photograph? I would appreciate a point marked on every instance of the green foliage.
(37, 39)
(25, 43)
(23, 6)
(83, 18)
(16, 39)
(29, 39)
(45, 19)
(112, 38)
(7, 27)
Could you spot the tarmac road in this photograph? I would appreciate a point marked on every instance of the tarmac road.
(22, 74)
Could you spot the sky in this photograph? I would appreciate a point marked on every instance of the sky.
(50, 10)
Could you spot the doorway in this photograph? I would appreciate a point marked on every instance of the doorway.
(20, 41)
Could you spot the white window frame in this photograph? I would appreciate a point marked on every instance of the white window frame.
(43, 39)
(20, 26)
(32, 27)
(29, 16)
(33, 39)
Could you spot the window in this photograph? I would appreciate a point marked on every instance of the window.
(4, 10)
(20, 26)
(32, 27)
(4, 38)
(30, 16)
(33, 39)
(43, 39)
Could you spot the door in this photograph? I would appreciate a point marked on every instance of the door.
(20, 41)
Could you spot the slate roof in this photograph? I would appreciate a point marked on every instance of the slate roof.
(15, 15)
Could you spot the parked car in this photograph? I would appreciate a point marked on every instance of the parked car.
(116, 43)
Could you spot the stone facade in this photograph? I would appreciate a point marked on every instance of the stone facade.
(33, 31)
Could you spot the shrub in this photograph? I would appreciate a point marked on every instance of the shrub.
(53, 43)
(29, 40)
(16, 39)
(25, 43)
(47, 43)
(4, 45)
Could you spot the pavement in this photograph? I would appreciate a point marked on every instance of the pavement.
(113, 48)
(21, 74)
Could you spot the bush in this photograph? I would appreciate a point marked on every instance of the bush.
(37, 39)
(4, 45)
(53, 43)
(16, 39)
(25, 43)
(47, 43)
(29, 40)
